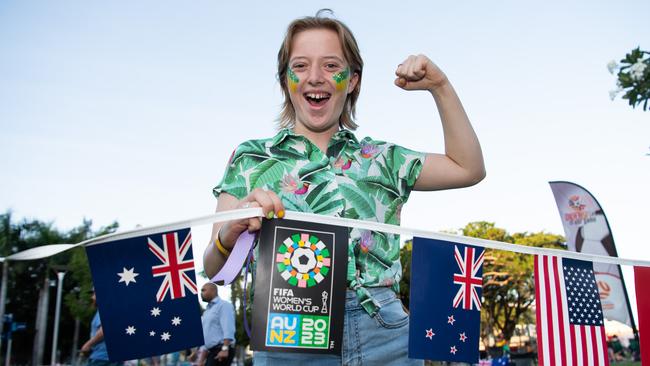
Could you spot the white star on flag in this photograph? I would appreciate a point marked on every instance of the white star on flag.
(463, 337)
(165, 336)
(152, 333)
(176, 321)
(127, 276)
(155, 312)
(430, 333)
(451, 320)
(453, 350)
(130, 330)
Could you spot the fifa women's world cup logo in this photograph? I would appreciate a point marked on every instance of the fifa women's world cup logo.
(303, 260)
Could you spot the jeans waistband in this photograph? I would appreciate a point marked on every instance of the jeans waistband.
(381, 295)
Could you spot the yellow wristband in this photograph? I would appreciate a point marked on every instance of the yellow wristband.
(220, 246)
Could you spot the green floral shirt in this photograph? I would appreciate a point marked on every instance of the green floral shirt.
(368, 180)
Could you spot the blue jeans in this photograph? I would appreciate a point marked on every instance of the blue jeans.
(378, 340)
(94, 362)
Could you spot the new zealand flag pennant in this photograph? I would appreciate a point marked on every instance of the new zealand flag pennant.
(445, 301)
(147, 295)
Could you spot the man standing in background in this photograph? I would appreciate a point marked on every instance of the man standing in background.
(96, 345)
(218, 328)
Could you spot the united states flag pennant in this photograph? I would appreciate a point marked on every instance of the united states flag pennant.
(146, 294)
(445, 301)
(641, 280)
(570, 326)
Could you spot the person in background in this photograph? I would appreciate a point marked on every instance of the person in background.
(218, 321)
(96, 346)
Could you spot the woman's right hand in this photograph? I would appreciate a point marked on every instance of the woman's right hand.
(228, 232)
(271, 207)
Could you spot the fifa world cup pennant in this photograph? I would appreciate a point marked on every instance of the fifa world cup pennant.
(445, 301)
(300, 287)
(146, 294)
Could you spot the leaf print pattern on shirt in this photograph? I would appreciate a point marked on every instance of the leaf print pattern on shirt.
(369, 150)
(294, 185)
(366, 241)
(368, 180)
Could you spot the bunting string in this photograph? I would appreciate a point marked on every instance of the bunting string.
(53, 249)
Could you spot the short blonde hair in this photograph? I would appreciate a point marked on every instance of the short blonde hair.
(351, 53)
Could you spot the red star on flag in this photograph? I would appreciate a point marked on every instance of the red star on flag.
(451, 320)
(453, 349)
(430, 333)
(463, 337)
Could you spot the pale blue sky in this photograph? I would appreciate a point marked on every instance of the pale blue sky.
(128, 111)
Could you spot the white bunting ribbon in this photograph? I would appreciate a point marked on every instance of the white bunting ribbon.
(50, 250)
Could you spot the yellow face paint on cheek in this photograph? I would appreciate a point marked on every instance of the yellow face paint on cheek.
(342, 78)
(292, 80)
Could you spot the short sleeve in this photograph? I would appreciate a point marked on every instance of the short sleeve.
(245, 157)
(406, 164)
(228, 321)
(232, 182)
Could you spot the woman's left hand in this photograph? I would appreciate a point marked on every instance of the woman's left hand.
(419, 73)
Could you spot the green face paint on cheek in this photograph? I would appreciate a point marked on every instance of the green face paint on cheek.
(341, 79)
(292, 79)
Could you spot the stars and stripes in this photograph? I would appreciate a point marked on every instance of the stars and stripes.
(570, 327)
(173, 266)
(469, 282)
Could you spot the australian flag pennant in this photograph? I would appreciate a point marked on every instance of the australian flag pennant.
(445, 301)
(146, 294)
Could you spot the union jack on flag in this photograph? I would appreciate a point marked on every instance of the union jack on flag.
(468, 278)
(174, 265)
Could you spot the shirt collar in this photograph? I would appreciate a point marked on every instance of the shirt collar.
(281, 136)
(340, 135)
(214, 301)
(344, 135)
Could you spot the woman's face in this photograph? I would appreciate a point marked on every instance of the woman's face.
(319, 80)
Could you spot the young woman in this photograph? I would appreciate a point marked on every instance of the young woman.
(316, 164)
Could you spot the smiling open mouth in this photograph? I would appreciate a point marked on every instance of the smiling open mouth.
(317, 99)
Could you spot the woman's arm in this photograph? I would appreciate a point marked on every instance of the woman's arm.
(462, 164)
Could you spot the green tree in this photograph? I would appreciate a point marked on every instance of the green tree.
(26, 278)
(508, 282)
(236, 296)
(405, 281)
(78, 301)
(633, 77)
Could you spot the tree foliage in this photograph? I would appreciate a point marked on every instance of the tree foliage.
(633, 77)
(26, 278)
(405, 282)
(236, 297)
(508, 282)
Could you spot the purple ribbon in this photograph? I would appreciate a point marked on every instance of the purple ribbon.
(235, 260)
